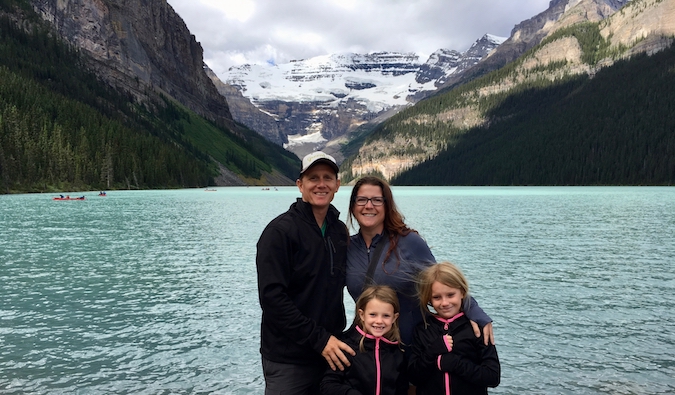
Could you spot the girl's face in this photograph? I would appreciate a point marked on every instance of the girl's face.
(378, 317)
(447, 301)
(369, 217)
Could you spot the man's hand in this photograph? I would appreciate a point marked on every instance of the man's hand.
(488, 335)
(333, 352)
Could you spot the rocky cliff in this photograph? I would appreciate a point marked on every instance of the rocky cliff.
(528, 33)
(642, 26)
(245, 112)
(142, 46)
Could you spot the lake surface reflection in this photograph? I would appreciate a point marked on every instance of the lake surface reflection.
(148, 292)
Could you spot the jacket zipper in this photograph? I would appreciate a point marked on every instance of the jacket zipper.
(447, 379)
(377, 364)
(331, 251)
(378, 367)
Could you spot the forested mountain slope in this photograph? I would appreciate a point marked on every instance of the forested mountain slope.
(573, 48)
(62, 128)
(617, 128)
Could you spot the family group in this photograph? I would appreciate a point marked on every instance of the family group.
(416, 329)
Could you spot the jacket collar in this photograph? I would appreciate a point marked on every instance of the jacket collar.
(305, 210)
(449, 320)
(369, 336)
(378, 238)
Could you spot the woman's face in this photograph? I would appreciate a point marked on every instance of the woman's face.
(369, 217)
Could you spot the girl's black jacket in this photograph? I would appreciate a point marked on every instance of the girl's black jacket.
(301, 278)
(379, 369)
(468, 368)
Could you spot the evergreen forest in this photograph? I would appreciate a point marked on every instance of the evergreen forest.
(616, 128)
(61, 128)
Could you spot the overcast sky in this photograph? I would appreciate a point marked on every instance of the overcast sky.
(235, 32)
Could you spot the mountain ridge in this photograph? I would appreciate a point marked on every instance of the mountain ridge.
(575, 46)
(143, 47)
(149, 57)
(318, 101)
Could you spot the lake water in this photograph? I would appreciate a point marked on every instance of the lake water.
(154, 292)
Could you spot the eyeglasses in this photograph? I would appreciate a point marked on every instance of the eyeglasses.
(362, 200)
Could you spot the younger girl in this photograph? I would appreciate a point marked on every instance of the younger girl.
(446, 357)
(378, 367)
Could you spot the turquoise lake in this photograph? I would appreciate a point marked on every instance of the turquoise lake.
(154, 292)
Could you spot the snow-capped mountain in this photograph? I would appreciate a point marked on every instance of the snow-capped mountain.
(445, 62)
(378, 80)
(314, 101)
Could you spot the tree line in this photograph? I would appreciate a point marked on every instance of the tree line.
(61, 128)
(617, 128)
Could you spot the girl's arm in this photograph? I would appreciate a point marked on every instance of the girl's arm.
(423, 355)
(402, 382)
(485, 374)
(335, 382)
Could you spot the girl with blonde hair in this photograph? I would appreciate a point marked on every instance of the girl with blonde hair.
(446, 357)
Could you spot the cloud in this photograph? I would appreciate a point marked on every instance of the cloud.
(234, 32)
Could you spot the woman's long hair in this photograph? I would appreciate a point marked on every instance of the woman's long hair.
(384, 294)
(394, 222)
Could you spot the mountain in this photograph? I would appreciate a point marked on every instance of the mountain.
(114, 94)
(615, 128)
(245, 112)
(572, 39)
(528, 33)
(318, 102)
(143, 47)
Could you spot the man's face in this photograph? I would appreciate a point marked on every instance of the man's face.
(318, 185)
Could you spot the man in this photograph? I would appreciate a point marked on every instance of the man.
(301, 261)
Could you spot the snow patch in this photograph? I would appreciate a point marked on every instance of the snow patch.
(311, 138)
(495, 39)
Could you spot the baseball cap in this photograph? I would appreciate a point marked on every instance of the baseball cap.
(317, 157)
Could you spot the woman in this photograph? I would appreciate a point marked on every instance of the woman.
(404, 254)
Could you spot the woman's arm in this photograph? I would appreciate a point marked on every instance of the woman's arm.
(479, 319)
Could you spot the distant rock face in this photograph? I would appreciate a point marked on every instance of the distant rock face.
(438, 66)
(245, 112)
(142, 46)
(317, 102)
(653, 28)
(530, 32)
